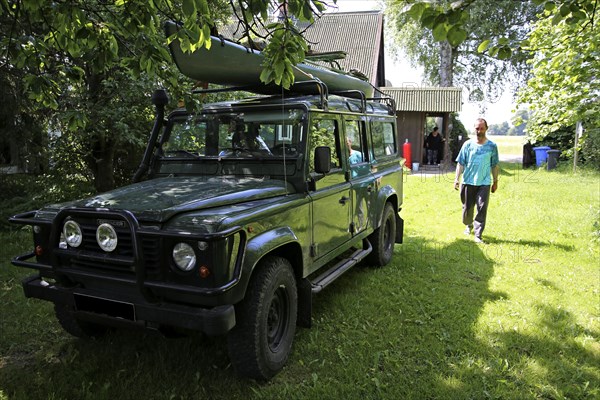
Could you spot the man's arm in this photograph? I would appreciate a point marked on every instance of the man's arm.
(495, 172)
(459, 171)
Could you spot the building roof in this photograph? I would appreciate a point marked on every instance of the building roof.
(358, 34)
(426, 99)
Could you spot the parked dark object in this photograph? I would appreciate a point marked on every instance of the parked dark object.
(528, 155)
(552, 159)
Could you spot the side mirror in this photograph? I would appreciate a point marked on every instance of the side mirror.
(322, 159)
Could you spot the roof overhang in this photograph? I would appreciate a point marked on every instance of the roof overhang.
(426, 99)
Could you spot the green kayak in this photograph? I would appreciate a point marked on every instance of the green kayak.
(228, 63)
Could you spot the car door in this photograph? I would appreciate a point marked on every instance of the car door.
(330, 193)
(362, 182)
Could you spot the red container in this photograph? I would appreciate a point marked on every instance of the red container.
(406, 153)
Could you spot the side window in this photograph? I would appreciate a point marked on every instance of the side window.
(355, 142)
(384, 140)
(324, 132)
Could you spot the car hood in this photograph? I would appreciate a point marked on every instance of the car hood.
(160, 199)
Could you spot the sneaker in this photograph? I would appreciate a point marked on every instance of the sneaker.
(468, 229)
(479, 240)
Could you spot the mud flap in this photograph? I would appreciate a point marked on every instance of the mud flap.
(399, 229)
(304, 318)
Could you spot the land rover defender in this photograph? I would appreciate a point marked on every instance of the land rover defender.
(239, 214)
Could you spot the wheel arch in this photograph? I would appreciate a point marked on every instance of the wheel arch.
(281, 242)
(389, 195)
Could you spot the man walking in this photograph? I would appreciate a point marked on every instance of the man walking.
(477, 160)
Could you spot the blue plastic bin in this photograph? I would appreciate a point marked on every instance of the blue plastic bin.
(541, 155)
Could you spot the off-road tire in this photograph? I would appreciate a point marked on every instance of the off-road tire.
(383, 238)
(261, 341)
(76, 327)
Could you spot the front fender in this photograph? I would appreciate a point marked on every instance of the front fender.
(385, 194)
(262, 245)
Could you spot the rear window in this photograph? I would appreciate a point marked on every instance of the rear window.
(383, 138)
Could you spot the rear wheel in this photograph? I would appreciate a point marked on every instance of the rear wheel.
(75, 326)
(261, 342)
(383, 238)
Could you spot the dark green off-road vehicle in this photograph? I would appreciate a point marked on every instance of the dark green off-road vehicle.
(239, 215)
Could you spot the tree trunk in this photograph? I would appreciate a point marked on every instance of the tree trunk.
(104, 177)
(446, 64)
(447, 56)
(101, 145)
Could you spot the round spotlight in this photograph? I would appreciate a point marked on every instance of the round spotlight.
(184, 257)
(72, 233)
(106, 236)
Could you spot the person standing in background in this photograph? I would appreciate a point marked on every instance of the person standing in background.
(433, 143)
(477, 162)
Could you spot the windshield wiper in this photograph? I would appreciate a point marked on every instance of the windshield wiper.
(180, 152)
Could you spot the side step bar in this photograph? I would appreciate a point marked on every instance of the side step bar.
(327, 277)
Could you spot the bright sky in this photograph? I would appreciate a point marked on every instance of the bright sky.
(401, 74)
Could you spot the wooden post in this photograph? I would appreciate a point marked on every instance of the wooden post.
(447, 161)
(578, 132)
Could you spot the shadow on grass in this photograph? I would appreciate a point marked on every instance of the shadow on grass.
(532, 243)
(469, 363)
(125, 364)
(424, 313)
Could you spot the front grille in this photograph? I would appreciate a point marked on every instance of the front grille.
(120, 262)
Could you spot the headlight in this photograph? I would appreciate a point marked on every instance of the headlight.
(184, 256)
(72, 233)
(106, 236)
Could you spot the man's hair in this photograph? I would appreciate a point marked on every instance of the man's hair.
(482, 120)
(435, 128)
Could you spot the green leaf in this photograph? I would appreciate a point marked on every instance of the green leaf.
(455, 16)
(416, 11)
(202, 7)
(549, 6)
(440, 32)
(188, 7)
(456, 35)
(504, 53)
(428, 17)
(483, 46)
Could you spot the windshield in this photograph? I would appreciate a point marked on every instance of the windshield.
(246, 135)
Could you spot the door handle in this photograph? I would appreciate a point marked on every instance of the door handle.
(344, 199)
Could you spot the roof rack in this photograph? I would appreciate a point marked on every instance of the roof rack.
(303, 88)
(321, 89)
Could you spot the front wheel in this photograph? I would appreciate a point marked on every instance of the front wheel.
(261, 342)
(383, 238)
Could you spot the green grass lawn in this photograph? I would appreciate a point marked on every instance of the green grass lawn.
(517, 318)
(509, 145)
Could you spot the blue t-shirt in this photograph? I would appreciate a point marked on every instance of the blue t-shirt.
(478, 161)
(355, 156)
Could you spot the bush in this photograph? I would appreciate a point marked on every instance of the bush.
(590, 150)
(23, 192)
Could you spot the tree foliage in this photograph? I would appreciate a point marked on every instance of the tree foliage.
(565, 83)
(85, 69)
(423, 27)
